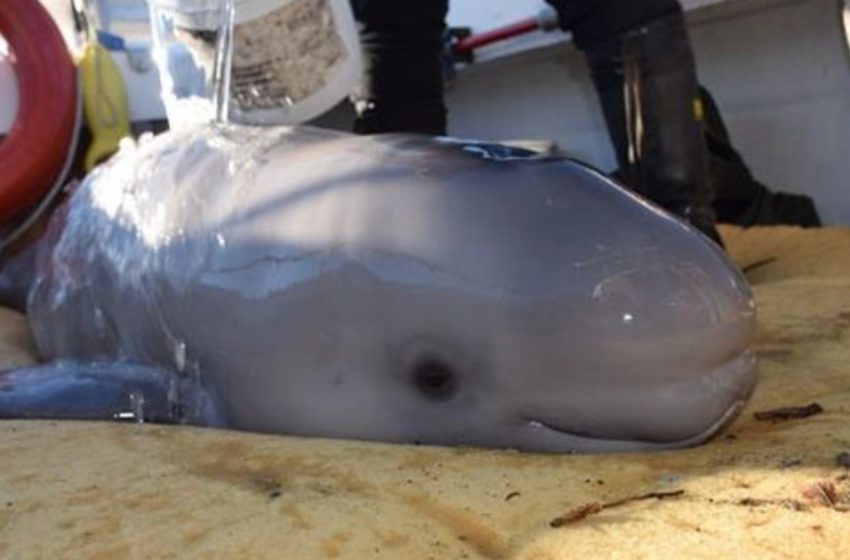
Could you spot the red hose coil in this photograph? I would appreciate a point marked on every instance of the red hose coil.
(35, 149)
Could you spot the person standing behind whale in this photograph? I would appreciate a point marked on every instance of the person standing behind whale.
(642, 66)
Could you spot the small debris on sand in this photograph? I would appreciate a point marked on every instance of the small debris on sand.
(824, 493)
(576, 514)
(792, 505)
(746, 269)
(586, 510)
(788, 413)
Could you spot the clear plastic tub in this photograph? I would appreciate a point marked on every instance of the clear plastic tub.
(292, 60)
(190, 46)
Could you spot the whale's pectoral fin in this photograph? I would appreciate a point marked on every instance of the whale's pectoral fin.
(104, 391)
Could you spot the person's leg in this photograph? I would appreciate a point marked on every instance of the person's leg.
(644, 72)
(403, 84)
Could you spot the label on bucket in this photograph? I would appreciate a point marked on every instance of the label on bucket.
(285, 56)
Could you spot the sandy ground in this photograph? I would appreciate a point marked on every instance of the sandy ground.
(762, 490)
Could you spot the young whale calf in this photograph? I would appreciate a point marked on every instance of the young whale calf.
(393, 288)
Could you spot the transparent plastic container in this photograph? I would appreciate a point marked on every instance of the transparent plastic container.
(190, 47)
(291, 60)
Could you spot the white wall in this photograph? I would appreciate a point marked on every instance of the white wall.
(484, 14)
(788, 106)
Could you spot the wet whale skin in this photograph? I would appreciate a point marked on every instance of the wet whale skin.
(391, 287)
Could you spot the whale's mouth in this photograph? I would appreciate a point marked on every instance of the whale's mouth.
(587, 440)
(548, 425)
(672, 416)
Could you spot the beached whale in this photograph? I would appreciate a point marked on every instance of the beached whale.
(394, 288)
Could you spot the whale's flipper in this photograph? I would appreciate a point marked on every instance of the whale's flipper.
(104, 391)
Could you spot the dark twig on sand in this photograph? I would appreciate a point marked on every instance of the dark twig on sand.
(788, 413)
(592, 508)
(758, 264)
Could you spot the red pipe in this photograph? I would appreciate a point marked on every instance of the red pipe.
(495, 35)
(34, 151)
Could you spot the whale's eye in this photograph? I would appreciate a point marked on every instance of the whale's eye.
(435, 380)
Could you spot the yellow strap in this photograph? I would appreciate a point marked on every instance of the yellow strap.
(699, 110)
(105, 101)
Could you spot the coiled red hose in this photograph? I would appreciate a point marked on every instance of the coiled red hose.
(34, 151)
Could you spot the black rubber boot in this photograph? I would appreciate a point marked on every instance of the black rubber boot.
(647, 86)
(402, 89)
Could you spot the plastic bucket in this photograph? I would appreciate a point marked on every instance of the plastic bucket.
(292, 60)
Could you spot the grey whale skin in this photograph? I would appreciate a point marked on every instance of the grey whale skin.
(391, 288)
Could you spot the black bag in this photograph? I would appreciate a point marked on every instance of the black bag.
(740, 199)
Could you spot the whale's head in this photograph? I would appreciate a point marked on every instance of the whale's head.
(643, 350)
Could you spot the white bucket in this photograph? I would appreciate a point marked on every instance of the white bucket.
(291, 74)
(292, 60)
